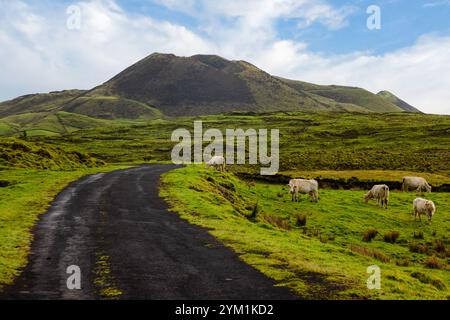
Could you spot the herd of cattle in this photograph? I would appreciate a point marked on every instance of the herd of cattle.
(380, 193)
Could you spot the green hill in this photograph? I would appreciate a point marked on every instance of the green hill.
(43, 102)
(49, 123)
(397, 101)
(208, 84)
(166, 85)
(350, 95)
(16, 153)
(111, 107)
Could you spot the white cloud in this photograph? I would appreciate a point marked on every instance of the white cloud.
(38, 53)
(417, 74)
(436, 3)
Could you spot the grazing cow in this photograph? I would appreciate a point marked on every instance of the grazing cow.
(217, 162)
(303, 186)
(415, 183)
(423, 206)
(379, 192)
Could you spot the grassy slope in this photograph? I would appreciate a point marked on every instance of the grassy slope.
(25, 154)
(20, 210)
(34, 103)
(317, 261)
(53, 123)
(349, 95)
(326, 141)
(388, 96)
(110, 107)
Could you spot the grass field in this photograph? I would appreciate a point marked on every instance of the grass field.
(308, 142)
(326, 258)
(24, 195)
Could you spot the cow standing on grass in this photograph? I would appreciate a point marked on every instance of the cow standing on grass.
(380, 193)
(423, 206)
(415, 183)
(303, 186)
(217, 162)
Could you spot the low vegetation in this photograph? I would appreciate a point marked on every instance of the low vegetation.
(20, 208)
(326, 257)
(23, 154)
(341, 146)
(320, 250)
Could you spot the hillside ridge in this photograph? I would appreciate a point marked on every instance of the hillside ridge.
(163, 85)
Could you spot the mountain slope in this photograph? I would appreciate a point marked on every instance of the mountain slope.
(167, 85)
(351, 95)
(397, 101)
(43, 102)
(208, 84)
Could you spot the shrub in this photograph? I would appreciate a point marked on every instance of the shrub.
(377, 254)
(391, 237)
(418, 248)
(428, 280)
(418, 235)
(255, 211)
(278, 222)
(439, 246)
(403, 262)
(369, 234)
(433, 263)
(300, 220)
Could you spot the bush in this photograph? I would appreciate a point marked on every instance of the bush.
(391, 237)
(300, 220)
(433, 263)
(255, 211)
(403, 262)
(369, 234)
(439, 246)
(418, 248)
(278, 222)
(418, 235)
(428, 280)
(377, 254)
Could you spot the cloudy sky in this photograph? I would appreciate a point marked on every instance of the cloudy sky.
(48, 45)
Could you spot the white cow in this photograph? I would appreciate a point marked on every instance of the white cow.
(303, 186)
(379, 192)
(423, 206)
(217, 162)
(415, 183)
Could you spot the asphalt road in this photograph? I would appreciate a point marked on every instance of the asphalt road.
(129, 246)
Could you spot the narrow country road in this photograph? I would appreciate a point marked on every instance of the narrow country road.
(129, 246)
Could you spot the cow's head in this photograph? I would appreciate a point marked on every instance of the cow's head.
(292, 188)
(367, 196)
(428, 187)
(430, 209)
